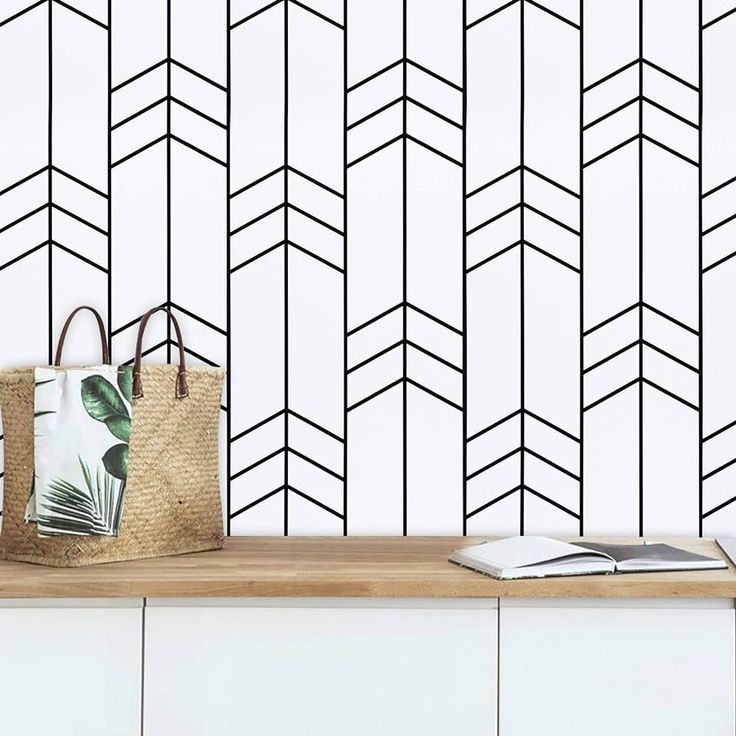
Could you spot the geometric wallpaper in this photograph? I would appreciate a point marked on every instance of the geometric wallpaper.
(469, 263)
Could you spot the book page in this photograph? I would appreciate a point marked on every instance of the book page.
(517, 552)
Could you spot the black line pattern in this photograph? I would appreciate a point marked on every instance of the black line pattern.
(471, 274)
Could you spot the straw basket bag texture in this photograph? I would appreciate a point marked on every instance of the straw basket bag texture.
(172, 497)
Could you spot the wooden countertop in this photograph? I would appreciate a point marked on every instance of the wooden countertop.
(343, 567)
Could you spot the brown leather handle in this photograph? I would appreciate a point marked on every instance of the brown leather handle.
(182, 388)
(65, 329)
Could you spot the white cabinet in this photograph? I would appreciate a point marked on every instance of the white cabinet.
(70, 668)
(320, 668)
(655, 668)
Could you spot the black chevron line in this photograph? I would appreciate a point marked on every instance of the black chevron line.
(552, 425)
(439, 77)
(495, 424)
(260, 217)
(262, 498)
(396, 139)
(557, 184)
(719, 187)
(553, 14)
(372, 320)
(80, 13)
(260, 179)
(610, 113)
(548, 499)
(719, 507)
(498, 498)
(719, 262)
(434, 394)
(74, 216)
(311, 423)
(439, 321)
(397, 382)
(669, 74)
(308, 252)
(314, 500)
(314, 181)
(197, 74)
(398, 344)
(201, 114)
(11, 18)
(664, 147)
(429, 353)
(554, 220)
(257, 425)
(615, 148)
(21, 257)
(551, 463)
(709, 230)
(613, 355)
(375, 75)
(148, 145)
(671, 113)
(433, 149)
(137, 76)
(250, 260)
(549, 255)
(24, 179)
(666, 392)
(490, 15)
(318, 14)
(629, 384)
(669, 355)
(669, 318)
(250, 467)
(611, 75)
(376, 112)
(316, 219)
(493, 219)
(79, 256)
(78, 181)
(253, 15)
(199, 319)
(197, 150)
(719, 469)
(493, 463)
(719, 18)
(717, 432)
(194, 354)
(375, 356)
(23, 217)
(148, 351)
(428, 109)
(493, 181)
(314, 462)
(610, 319)
(132, 322)
(493, 256)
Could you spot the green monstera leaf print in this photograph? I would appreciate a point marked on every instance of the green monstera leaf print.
(115, 461)
(104, 402)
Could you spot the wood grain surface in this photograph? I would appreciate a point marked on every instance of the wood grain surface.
(346, 566)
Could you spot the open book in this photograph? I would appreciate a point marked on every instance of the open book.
(541, 557)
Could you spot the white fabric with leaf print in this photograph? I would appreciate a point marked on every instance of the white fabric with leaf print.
(82, 426)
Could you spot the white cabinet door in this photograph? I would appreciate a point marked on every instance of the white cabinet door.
(650, 668)
(333, 669)
(70, 668)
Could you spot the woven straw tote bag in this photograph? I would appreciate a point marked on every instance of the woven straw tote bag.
(172, 496)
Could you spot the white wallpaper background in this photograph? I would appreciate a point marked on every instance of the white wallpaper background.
(469, 263)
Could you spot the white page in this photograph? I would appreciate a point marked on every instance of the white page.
(521, 551)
